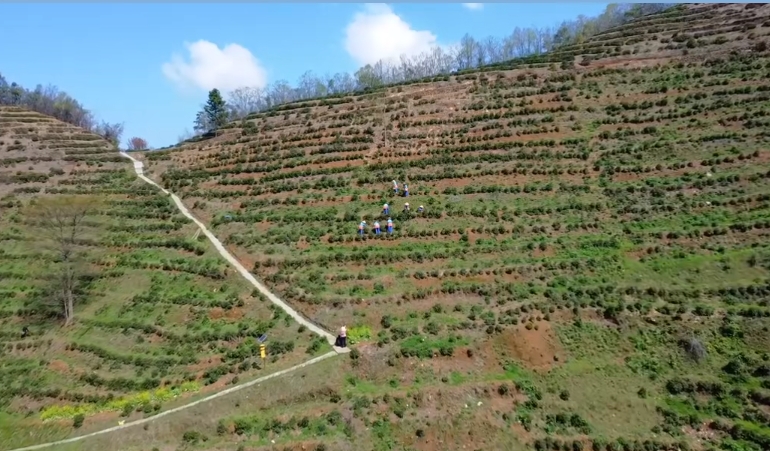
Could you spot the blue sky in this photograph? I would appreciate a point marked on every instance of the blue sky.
(111, 56)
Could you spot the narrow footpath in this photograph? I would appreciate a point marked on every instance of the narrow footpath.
(139, 169)
(182, 407)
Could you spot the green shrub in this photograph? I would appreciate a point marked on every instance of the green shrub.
(78, 420)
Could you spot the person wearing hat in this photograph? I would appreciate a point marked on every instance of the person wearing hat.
(386, 210)
(361, 227)
(376, 228)
(420, 209)
(390, 226)
(406, 206)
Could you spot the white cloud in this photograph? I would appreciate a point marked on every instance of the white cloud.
(474, 6)
(209, 67)
(378, 33)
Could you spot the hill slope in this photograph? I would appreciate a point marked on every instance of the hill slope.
(155, 306)
(595, 231)
(591, 270)
(535, 161)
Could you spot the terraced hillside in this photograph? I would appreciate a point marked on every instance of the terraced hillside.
(590, 270)
(515, 169)
(158, 315)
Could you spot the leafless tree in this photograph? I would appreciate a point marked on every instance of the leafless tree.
(244, 101)
(281, 92)
(311, 86)
(110, 132)
(137, 143)
(492, 49)
(469, 54)
(343, 82)
(62, 221)
(465, 52)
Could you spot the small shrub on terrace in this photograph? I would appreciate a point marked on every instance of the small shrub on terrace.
(78, 420)
(315, 346)
(432, 328)
(192, 437)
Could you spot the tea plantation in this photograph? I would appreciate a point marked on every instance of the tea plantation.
(590, 268)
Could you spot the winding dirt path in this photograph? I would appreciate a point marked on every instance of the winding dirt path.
(139, 169)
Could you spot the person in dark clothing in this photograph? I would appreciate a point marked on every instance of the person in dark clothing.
(25, 332)
(342, 338)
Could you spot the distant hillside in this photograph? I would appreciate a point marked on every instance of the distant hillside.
(52, 102)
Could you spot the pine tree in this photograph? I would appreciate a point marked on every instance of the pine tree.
(215, 110)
